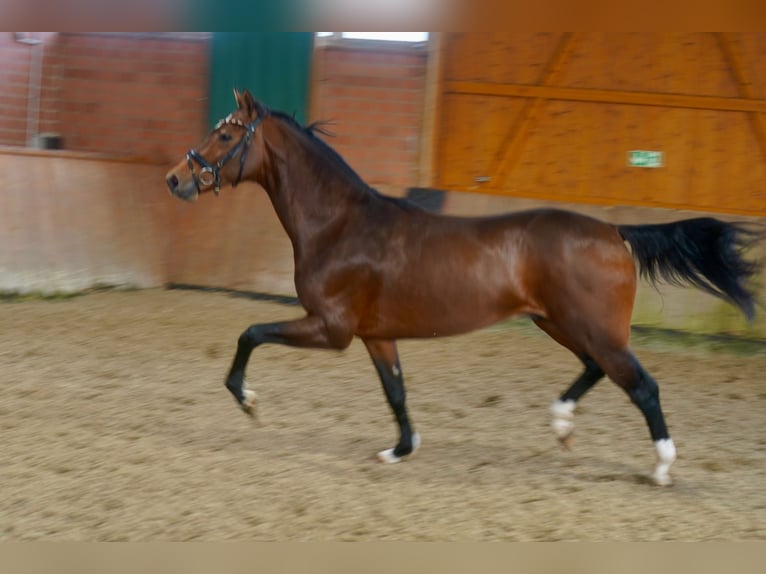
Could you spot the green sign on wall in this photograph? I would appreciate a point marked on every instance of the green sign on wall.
(644, 158)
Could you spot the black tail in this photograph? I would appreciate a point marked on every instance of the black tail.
(704, 252)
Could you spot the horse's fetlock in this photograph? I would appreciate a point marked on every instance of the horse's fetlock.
(234, 386)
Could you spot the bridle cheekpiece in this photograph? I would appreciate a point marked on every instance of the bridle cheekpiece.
(211, 174)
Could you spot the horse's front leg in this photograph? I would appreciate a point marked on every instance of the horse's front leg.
(386, 360)
(311, 331)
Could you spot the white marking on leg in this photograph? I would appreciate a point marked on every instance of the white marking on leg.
(395, 370)
(563, 418)
(388, 457)
(250, 402)
(666, 454)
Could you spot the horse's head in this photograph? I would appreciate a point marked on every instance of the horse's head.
(225, 156)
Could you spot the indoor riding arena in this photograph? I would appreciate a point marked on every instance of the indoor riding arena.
(122, 307)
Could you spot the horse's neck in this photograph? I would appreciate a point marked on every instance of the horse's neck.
(310, 202)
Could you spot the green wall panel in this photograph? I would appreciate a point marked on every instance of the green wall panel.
(274, 66)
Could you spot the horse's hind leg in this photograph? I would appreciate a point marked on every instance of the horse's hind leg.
(625, 370)
(563, 408)
(386, 360)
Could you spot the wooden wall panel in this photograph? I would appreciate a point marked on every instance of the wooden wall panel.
(662, 62)
(753, 46)
(473, 140)
(553, 116)
(498, 57)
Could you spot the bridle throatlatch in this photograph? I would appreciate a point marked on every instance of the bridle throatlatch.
(211, 174)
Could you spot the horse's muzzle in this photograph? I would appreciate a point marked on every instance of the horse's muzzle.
(186, 192)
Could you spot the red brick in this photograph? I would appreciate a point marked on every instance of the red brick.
(117, 90)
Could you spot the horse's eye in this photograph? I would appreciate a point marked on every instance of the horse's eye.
(224, 137)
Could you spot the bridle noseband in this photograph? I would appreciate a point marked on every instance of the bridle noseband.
(211, 174)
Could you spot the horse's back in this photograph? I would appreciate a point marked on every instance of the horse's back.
(447, 275)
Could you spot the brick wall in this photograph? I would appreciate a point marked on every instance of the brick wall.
(117, 94)
(144, 96)
(14, 75)
(126, 95)
(375, 99)
(17, 93)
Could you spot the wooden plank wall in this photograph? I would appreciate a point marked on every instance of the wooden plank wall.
(552, 116)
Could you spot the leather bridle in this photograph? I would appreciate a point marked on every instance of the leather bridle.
(211, 174)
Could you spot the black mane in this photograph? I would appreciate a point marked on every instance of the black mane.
(311, 131)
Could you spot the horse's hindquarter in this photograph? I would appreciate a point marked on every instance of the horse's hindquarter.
(580, 269)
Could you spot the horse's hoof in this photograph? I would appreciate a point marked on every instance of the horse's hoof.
(250, 403)
(563, 422)
(566, 442)
(661, 479)
(388, 457)
(666, 454)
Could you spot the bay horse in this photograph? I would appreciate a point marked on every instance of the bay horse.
(381, 269)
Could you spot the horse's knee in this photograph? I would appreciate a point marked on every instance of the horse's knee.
(339, 339)
(339, 334)
(250, 336)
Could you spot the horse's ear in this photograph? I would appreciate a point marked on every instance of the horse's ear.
(248, 104)
(245, 102)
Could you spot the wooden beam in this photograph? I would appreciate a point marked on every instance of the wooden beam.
(431, 100)
(607, 96)
(737, 66)
(510, 150)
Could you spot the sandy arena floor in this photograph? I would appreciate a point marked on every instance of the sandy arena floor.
(115, 426)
